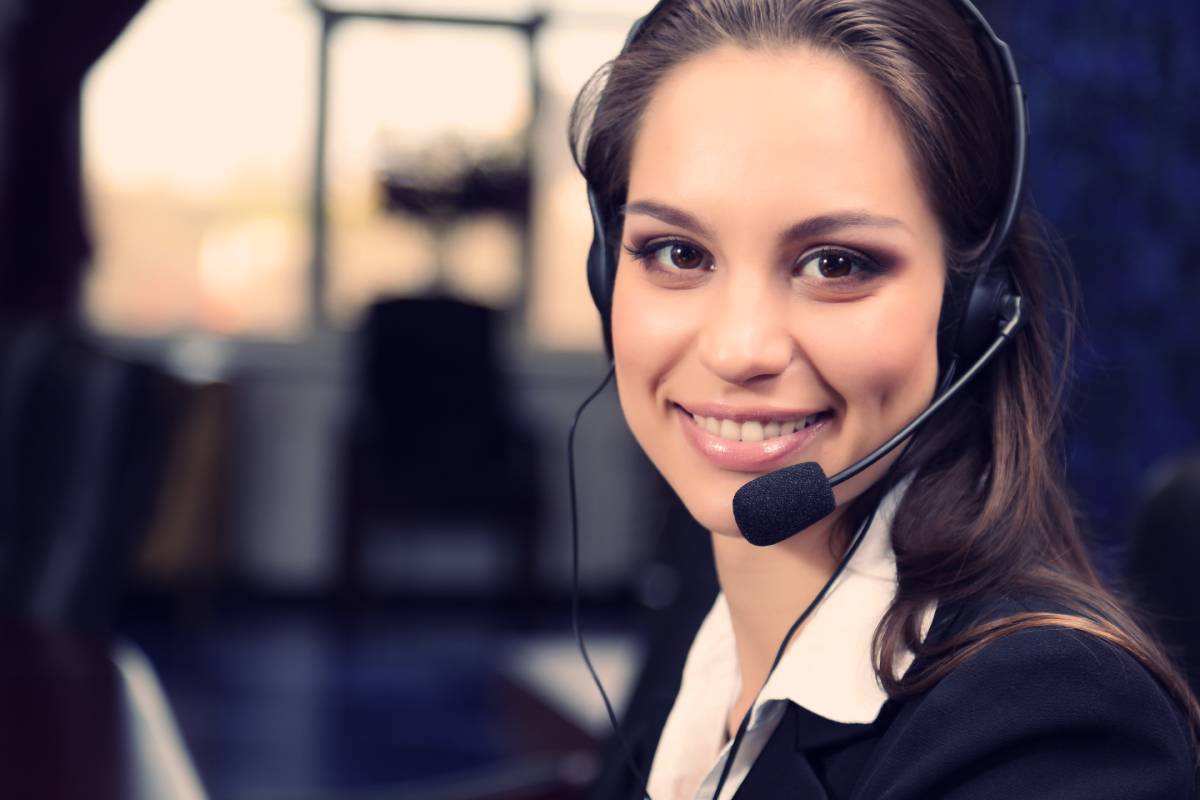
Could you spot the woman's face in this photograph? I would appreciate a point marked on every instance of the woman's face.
(780, 280)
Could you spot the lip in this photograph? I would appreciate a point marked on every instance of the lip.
(746, 456)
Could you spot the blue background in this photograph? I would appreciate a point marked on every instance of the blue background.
(1114, 99)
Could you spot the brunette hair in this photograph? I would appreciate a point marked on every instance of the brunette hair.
(987, 511)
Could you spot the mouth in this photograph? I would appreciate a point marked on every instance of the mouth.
(750, 442)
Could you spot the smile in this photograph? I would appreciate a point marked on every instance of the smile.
(750, 445)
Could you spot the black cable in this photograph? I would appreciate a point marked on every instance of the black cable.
(816, 601)
(612, 717)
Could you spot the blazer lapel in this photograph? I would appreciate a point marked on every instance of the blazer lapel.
(784, 766)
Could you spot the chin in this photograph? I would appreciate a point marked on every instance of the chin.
(711, 508)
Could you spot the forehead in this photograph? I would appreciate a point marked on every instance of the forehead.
(775, 131)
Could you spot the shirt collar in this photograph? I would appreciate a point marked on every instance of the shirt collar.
(828, 667)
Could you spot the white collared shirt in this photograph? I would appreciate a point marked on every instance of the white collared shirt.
(827, 669)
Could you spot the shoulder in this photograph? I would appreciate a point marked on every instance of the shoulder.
(1044, 712)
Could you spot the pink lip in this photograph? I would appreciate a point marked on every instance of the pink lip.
(746, 456)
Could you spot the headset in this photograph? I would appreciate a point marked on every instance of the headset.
(990, 310)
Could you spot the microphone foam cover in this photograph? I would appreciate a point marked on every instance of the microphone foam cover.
(777, 505)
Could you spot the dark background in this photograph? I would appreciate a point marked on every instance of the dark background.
(1115, 167)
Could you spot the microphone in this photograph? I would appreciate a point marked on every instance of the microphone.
(780, 504)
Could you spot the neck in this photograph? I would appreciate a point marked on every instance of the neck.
(767, 588)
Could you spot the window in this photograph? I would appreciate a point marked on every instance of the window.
(417, 106)
(197, 130)
(199, 138)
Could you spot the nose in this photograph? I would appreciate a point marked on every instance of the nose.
(745, 335)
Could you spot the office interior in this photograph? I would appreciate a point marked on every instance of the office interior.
(294, 324)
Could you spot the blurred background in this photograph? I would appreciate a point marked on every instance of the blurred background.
(293, 322)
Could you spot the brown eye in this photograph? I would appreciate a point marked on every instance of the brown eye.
(681, 256)
(834, 264)
(672, 256)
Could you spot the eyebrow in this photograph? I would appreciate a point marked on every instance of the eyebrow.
(810, 228)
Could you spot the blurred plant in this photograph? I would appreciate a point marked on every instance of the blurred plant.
(448, 180)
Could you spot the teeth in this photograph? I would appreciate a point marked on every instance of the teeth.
(752, 431)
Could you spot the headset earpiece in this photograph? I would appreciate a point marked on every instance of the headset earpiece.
(601, 270)
(600, 281)
(983, 313)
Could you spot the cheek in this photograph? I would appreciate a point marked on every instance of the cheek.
(649, 332)
(884, 359)
(646, 342)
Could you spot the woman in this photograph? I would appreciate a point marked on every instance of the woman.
(792, 199)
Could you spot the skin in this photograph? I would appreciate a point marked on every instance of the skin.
(747, 144)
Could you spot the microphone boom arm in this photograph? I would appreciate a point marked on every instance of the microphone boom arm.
(1014, 316)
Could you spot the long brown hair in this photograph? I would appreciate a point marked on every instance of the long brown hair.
(987, 510)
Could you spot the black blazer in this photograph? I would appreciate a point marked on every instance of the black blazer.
(1047, 713)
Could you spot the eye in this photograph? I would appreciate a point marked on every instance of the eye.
(832, 264)
(680, 255)
(672, 255)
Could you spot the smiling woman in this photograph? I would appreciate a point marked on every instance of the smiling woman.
(796, 201)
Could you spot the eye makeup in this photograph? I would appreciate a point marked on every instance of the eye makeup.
(670, 255)
(826, 266)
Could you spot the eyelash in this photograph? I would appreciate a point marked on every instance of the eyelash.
(869, 266)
